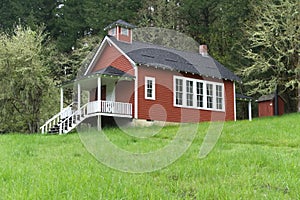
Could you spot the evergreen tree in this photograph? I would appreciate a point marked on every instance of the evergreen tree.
(273, 36)
(162, 14)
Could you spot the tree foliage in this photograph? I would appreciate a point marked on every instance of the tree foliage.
(162, 14)
(26, 89)
(273, 36)
(262, 35)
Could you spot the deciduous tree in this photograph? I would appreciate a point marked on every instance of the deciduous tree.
(27, 93)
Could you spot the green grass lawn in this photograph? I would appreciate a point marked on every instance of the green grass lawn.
(251, 160)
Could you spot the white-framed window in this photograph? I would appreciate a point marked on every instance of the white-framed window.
(178, 91)
(198, 94)
(113, 31)
(124, 31)
(150, 88)
(189, 92)
(209, 95)
(219, 97)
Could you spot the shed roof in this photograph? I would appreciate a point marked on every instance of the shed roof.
(269, 97)
(266, 98)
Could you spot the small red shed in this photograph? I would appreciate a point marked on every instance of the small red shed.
(266, 105)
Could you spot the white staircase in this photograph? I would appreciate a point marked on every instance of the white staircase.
(68, 119)
(64, 121)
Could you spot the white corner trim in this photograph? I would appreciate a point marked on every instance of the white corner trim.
(136, 88)
(234, 100)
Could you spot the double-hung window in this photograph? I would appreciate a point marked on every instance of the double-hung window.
(198, 94)
(178, 91)
(150, 88)
(219, 97)
(189, 93)
(209, 93)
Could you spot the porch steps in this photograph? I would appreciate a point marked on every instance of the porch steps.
(55, 129)
(68, 119)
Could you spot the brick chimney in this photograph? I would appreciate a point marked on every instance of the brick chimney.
(203, 50)
(121, 30)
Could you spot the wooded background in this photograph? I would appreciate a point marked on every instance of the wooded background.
(44, 43)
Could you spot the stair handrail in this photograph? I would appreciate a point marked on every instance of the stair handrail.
(56, 118)
(81, 113)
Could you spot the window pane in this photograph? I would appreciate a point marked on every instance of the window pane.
(199, 94)
(149, 88)
(219, 97)
(124, 31)
(209, 93)
(189, 93)
(179, 91)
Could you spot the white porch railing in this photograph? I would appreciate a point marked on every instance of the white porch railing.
(68, 119)
(66, 112)
(110, 107)
(73, 120)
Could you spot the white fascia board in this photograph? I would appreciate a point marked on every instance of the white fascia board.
(110, 42)
(121, 51)
(96, 55)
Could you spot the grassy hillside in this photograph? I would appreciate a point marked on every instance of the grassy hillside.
(251, 160)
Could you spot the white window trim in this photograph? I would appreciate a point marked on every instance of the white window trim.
(153, 87)
(174, 100)
(184, 103)
(123, 31)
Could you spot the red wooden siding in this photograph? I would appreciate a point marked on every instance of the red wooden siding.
(110, 56)
(280, 106)
(124, 38)
(162, 108)
(267, 108)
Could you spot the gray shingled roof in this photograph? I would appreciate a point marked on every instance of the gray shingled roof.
(159, 56)
(112, 71)
(266, 98)
(119, 23)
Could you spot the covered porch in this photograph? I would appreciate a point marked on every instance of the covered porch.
(94, 95)
(97, 92)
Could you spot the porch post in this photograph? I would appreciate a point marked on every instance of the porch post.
(99, 101)
(99, 89)
(250, 110)
(61, 99)
(99, 123)
(78, 96)
(136, 87)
